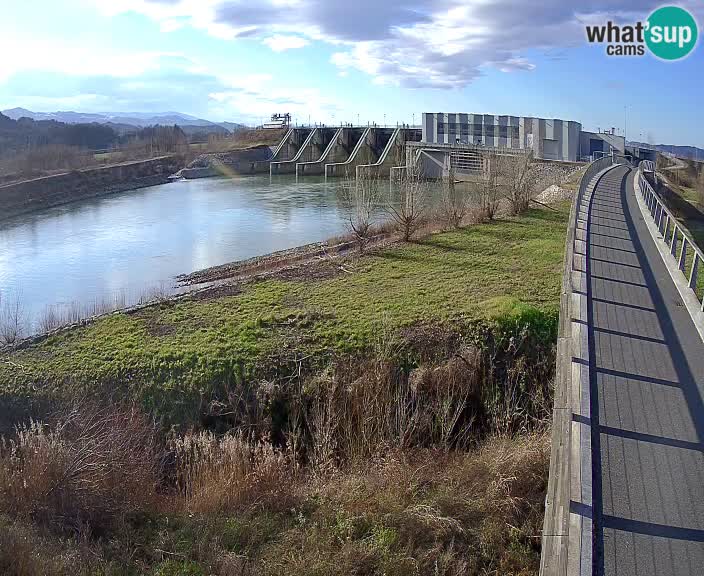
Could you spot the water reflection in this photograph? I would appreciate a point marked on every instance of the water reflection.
(117, 247)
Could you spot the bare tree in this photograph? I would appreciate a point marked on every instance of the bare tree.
(409, 213)
(360, 198)
(522, 178)
(454, 202)
(11, 320)
(700, 186)
(489, 188)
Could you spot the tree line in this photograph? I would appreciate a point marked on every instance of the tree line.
(31, 148)
(26, 134)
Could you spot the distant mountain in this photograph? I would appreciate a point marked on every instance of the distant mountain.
(690, 152)
(137, 119)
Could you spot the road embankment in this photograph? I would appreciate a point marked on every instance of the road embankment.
(49, 191)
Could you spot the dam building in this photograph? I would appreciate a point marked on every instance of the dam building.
(548, 139)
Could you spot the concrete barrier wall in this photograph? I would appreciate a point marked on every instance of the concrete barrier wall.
(286, 150)
(339, 150)
(227, 163)
(368, 150)
(312, 149)
(392, 155)
(30, 195)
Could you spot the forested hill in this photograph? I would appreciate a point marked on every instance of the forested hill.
(25, 134)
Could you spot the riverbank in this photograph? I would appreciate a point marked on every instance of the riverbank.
(316, 411)
(40, 193)
(177, 354)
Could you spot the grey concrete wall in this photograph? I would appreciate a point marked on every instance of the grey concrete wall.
(609, 140)
(368, 150)
(393, 154)
(286, 150)
(339, 150)
(312, 149)
(40, 193)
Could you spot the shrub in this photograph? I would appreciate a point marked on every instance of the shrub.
(228, 473)
(409, 213)
(91, 467)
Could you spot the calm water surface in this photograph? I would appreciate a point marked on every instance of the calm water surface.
(119, 247)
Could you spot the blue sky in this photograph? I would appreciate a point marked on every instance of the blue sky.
(337, 62)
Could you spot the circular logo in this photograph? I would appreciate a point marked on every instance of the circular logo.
(671, 32)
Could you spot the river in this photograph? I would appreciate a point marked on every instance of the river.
(117, 249)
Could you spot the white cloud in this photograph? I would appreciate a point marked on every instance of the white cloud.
(435, 43)
(72, 58)
(281, 43)
(171, 25)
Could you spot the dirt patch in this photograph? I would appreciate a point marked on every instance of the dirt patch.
(159, 329)
(431, 340)
(311, 262)
(218, 291)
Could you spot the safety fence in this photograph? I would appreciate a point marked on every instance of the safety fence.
(682, 247)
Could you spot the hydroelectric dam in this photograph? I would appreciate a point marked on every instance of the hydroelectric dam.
(321, 151)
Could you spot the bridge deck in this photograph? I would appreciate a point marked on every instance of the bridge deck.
(647, 382)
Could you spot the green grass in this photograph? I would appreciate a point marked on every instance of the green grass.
(181, 352)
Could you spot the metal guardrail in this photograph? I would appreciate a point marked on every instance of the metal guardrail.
(683, 248)
(561, 550)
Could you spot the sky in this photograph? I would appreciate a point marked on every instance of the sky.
(360, 61)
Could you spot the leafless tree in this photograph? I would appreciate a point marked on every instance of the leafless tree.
(11, 320)
(360, 198)
(522, 178)
(454, 201)
(489, 189)
(700, 186)
(408, 214)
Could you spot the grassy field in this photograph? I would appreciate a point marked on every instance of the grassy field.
(504, 272)
(384, 414)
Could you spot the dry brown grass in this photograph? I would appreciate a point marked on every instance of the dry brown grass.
(229, 474)
(239, 508)
(25, 551)
(369, 466)
(91, 467)
(424, 512)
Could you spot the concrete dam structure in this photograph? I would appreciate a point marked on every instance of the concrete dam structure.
(340, 149)
(344, 151)
(313, 147)
(393, 154)
(377, 150)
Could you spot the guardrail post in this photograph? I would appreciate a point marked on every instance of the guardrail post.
(667, 227)
(673, 245)
(683, 254)
(693, 273)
